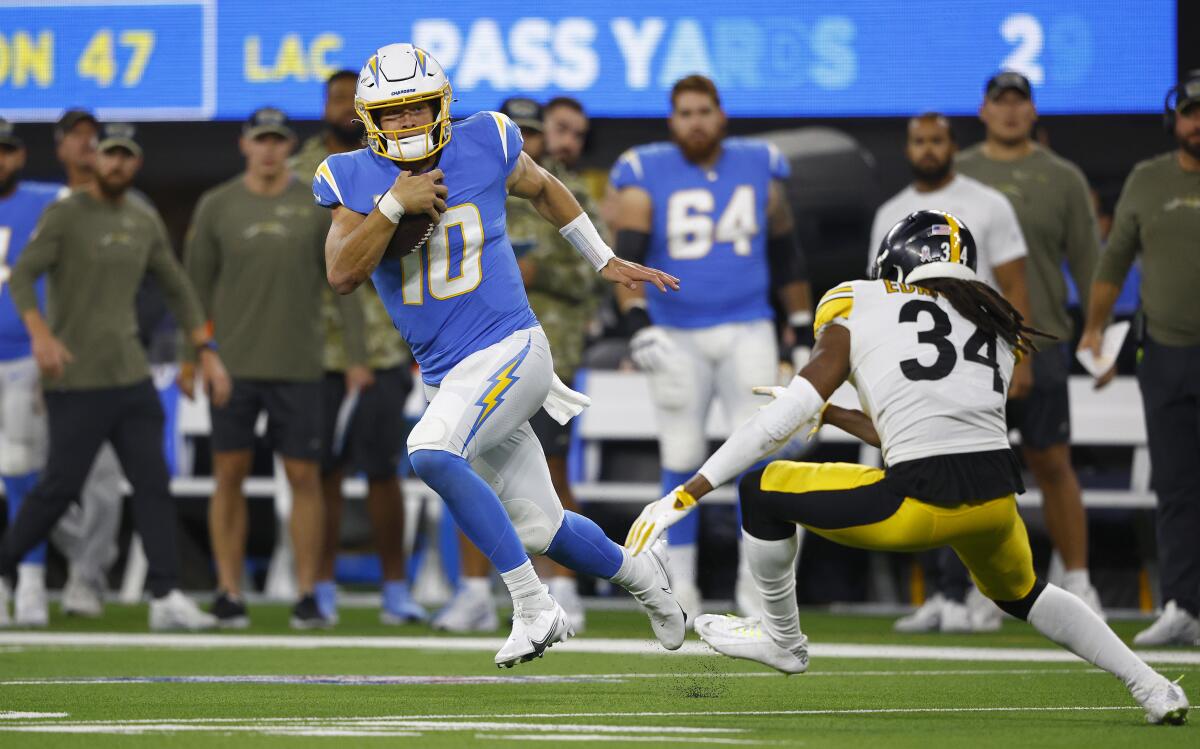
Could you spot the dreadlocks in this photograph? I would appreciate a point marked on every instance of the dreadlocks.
(984, 307)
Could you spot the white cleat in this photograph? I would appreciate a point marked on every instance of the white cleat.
(738, 637)
(1163, 701)
(927, 618)
(79, 598)
(668, 619)
(955, 619)
(175, 611)
(30, 607)
(566, 592)
(986, 616)
(533, 632)
(1174, 627)
(468, 611)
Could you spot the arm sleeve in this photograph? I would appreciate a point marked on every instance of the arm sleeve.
(326, 191)
(786, 259)
(1083, 238)
(837, 304)
(628, 171)
(38, 256)
(1007, 242)
(173, 281)
(1124, 240)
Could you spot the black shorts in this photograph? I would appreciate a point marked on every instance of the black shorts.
(1044, 417)
(374, 439)
(293, 417)
(555, 437)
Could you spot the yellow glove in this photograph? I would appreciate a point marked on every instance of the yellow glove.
(656, 517)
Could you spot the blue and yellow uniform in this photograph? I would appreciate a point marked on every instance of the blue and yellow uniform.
(461, 292)
(19, 214)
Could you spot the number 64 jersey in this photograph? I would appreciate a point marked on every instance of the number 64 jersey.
(461, 292)
(932, 383)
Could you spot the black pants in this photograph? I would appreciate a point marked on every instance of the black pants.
(131, 418)
(1169, 377)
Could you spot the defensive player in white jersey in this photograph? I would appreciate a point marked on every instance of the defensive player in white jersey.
(714, 212)
(930, 351)
(929, 149)
(460, 303)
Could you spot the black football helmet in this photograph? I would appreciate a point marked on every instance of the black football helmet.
(926, 244)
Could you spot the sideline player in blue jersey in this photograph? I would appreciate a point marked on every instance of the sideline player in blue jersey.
(714, 212)
(22, 425)
(459, 302)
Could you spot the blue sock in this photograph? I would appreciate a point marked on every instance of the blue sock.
(686, 531)
(580, 545)
(15, 488)
(325, 591)
(474, 505)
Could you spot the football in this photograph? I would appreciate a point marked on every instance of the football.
(411, 232)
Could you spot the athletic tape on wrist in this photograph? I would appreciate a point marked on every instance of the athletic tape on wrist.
(582, 235)
(390, 207)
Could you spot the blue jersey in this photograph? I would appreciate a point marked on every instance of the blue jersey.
(462, 291)
(710, 229)
(19, 214)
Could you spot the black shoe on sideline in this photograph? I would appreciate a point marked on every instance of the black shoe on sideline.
(230, 612)
(307, 615)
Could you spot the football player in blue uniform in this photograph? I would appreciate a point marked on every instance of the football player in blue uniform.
(714, 212)
(22, 424)
(485, 362)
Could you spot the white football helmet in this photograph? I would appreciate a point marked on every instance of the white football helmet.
(396, 75)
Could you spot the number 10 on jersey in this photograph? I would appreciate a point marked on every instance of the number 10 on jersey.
(465, 221)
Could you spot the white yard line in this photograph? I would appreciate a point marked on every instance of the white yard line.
(580, 645)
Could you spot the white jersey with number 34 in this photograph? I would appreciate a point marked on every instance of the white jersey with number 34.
(932, 383)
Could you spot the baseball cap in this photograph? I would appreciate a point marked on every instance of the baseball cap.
(70, 119)
(267, 120)
(8, 136)
(1009, 80)
(525, 112)
(1189, 91)
(119, 135)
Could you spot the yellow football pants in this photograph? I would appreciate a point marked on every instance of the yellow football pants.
(988, 537)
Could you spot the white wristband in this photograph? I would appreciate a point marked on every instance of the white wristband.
(390, 207)
(582, 235)
(800, 319)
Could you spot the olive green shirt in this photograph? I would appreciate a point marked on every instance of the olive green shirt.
(1158, 215)
(95, 255)
(258, 264)
(1054, 207)
(564, 290)
(385, 346)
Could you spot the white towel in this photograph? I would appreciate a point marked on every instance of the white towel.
(563, 403)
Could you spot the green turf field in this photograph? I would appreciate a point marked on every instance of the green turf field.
(369, 685)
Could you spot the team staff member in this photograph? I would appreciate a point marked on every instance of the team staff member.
(373, 439)
(929, 150)
(95, 246)
(1158, 217)
(1054, 207)
(255, 252)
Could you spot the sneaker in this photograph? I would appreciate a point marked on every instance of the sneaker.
(4, 596)
(30, 607)
(738, 637)
(668, 620)
(398, 607)
(1174, 627)
(326, 595)
(532, 633)
(1163, 701)
(566, 592)
(81, 598)
(307, 615)
(927, 618)
(468, 611)
(229, 611)
(955, 618)
(1089, 595)
(985, 615)
(176, 611)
